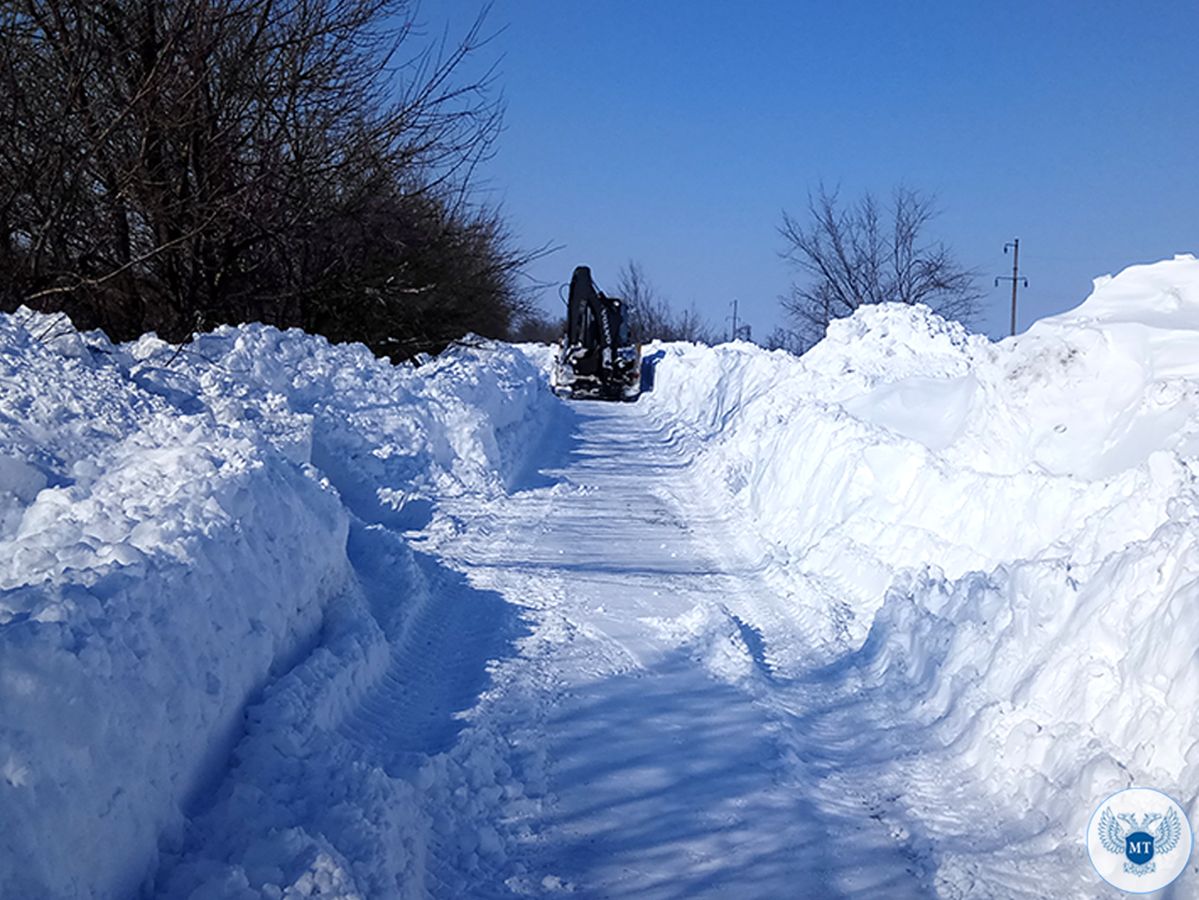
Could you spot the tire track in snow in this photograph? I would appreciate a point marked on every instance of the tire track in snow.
(437, 670)
(410, 721)
(350, 775)
(667, 773)
(624, 747)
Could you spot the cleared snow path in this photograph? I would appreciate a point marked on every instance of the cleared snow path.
(567, 689)
(670, 769)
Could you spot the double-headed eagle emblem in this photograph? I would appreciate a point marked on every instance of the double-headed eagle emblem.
(1139, 841)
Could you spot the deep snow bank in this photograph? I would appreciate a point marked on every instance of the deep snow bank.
(172, 531)
(993, 544)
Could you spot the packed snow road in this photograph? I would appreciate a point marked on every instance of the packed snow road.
(583, 698)
(668, 771)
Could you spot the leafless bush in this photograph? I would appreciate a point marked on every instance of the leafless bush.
(864, 254)
(652, 317)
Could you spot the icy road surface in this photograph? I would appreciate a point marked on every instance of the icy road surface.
(671, 767)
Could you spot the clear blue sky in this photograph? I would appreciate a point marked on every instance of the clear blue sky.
(677, 133)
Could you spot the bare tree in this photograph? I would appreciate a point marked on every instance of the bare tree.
(863, 254)
(784, 339)
(650, 314)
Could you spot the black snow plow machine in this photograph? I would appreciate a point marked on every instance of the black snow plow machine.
(596, 360)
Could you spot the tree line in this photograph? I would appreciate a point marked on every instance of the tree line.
(171, 165)
(846, 254)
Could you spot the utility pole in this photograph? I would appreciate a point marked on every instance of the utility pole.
(740, 332)
(1015, 277)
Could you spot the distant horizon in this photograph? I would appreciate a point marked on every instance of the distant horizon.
(634, 132)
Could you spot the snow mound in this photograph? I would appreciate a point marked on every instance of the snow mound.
(173, 538)
(991, 544)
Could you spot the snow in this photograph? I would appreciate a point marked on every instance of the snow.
(278, 619)
(1003, 541)
(170, 551)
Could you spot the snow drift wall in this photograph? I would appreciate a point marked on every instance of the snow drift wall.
(173, 530)
(992, 545)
